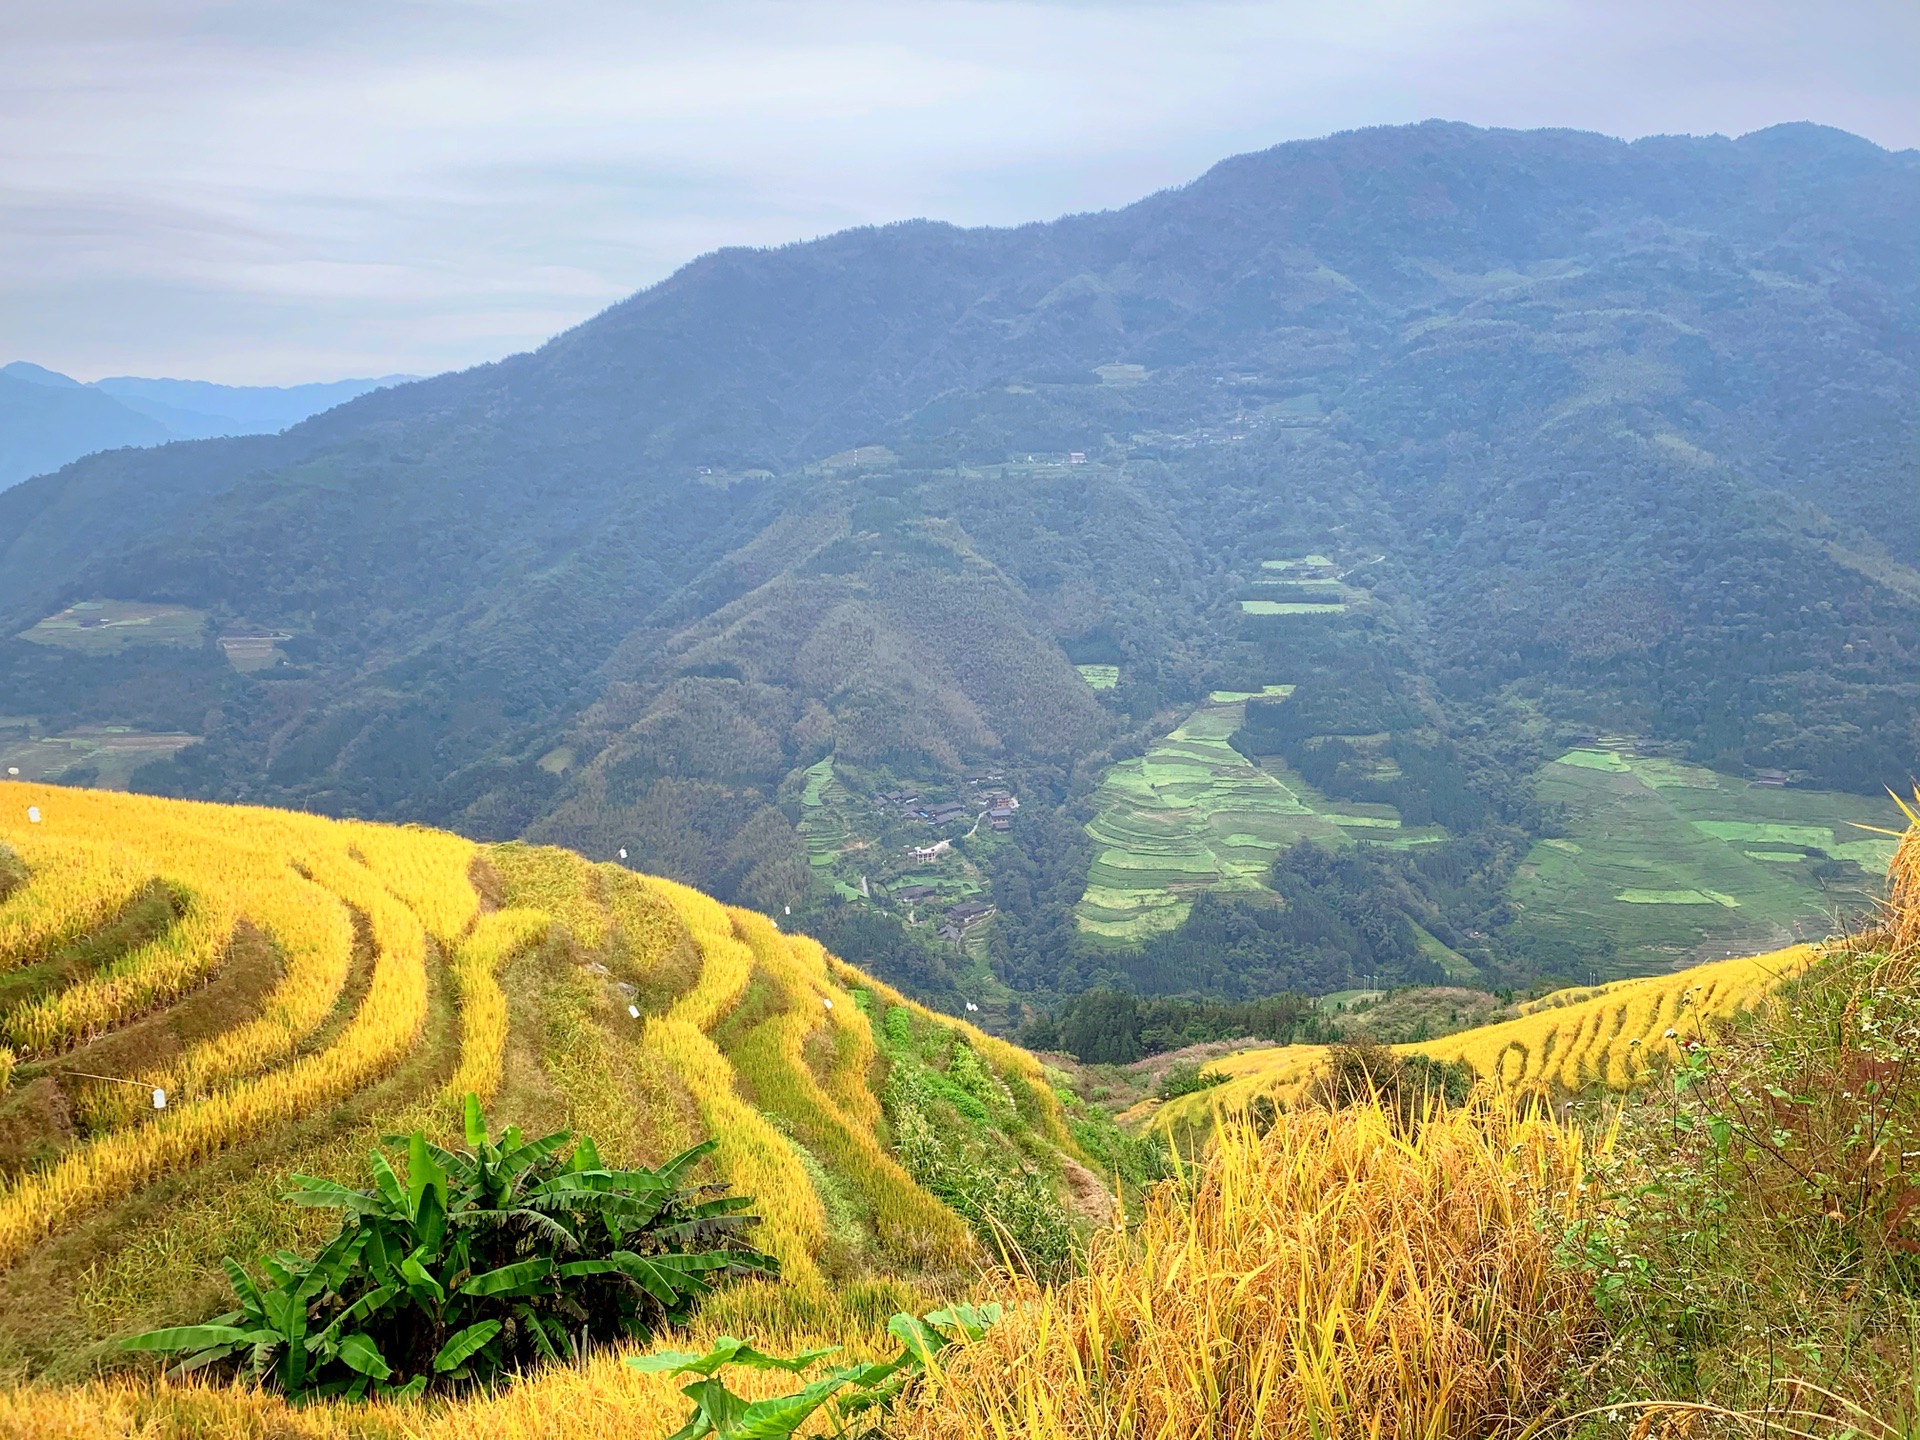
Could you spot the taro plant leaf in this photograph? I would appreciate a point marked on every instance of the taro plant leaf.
(454, 1353)
(780, 1416)
(720, 1412)
(972, 1321)
(919, 1341)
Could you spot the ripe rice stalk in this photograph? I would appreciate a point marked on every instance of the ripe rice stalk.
(772, 1059)
(495, 939)
(1334, 1277)
(1609, 1035)
(144, 978)
(108, 1166)
(73, 886)
(1903, 881)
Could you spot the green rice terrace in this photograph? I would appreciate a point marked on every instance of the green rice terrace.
(1306, 585)
(825, 827)
(104, 627)
(1674, 864)
(1099, 677)
(857, 853)
(1195, 814)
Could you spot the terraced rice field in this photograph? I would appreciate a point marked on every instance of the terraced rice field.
(1293, 607)
(1099, 677)
(106, 754)
(1306, 585)
(824, 826)
(1194, 814)
(1608, 1035)
(298, 987)
(105, 626)
(1673, 864)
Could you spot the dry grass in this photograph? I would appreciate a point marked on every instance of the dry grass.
(1335, 1277)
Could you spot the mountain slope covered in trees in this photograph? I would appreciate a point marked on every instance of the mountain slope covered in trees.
(1595, 436)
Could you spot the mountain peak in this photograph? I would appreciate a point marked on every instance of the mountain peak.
(39, 375)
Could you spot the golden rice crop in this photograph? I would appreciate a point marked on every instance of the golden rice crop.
(254, 861)
(557, 882)
(1903, 880)
(1334, 1277)
(1607, 1035)
(201, 843)
(73, 886)
(494, 939)
(428, 870)
(772, 1059)
(148, 975)
(598, 1398)
(726, 962)
(754, 1156)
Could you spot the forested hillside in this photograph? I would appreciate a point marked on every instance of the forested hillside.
(1491, 444)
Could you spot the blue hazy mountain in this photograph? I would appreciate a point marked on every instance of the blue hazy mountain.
(48, 419)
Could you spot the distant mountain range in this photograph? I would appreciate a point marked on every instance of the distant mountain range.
(1483, 439)
(48, 419)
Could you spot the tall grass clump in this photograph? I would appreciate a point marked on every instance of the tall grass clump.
(1341, 1274)
(1755, 1245)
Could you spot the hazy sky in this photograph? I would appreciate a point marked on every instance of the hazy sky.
(271, 191)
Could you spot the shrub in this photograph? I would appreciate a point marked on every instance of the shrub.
(477, 1264)
(1406, 1086)
(1185, 1077)
(1760, 1234)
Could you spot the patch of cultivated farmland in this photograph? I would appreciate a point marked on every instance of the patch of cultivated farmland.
(823, 824)
(1194, 814)
(1609, 1035)
(1675, 864)
(1306, 585)
(1293, 607)
(1099, 677)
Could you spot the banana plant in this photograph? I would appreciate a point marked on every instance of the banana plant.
(476, 1264)
(852, 1390)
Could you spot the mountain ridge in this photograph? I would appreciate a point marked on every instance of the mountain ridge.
(1605, 411)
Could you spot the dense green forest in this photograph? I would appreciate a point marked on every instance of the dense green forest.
(1592, 438)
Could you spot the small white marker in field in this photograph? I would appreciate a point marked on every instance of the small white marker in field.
(33, 814)
(159, 1099)
(634, 1011)
(827, 1003)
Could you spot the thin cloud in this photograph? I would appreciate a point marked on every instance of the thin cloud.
(276, 192)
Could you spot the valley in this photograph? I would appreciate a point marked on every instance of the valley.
(1066, 509)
